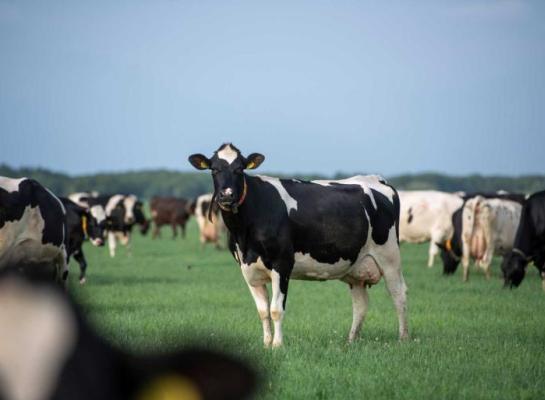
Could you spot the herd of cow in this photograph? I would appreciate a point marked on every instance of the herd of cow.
(282, 229)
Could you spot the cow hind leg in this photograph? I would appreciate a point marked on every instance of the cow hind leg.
(390, 264)
(360, 300)
(432, 252)
(80, 258)
(279, 285)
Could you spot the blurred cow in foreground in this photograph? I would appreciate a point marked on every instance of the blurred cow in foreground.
(32, 227)
(81, 224)
(485, 225)
(209, 219)
(529, 243)
(123, 213)
(426, 215)
(171, 211)
(282, 229)
(49, 352)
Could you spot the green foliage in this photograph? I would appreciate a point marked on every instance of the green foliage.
(148, 183)
(472, 340)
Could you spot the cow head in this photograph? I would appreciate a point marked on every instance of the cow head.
(450, 260)
(140, 217)
(97, 223)
(513, 267)
(227, 166)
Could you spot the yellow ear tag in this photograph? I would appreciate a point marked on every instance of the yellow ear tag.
(448, 245)
(170, 387)
(251, 165)
(204, 164)
(84, 224)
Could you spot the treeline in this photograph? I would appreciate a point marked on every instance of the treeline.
(148, 183)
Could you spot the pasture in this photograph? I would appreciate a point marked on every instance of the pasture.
(473, 340)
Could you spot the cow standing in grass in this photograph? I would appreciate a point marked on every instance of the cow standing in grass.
(529, 243)
(209, 220)
(320, 230)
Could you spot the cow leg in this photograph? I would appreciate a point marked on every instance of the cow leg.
(261, 298)
(432, 252)
(183, 230)
(279, 283)
(360, 300)
(80, 258)
(111, 243)
(465, 265)
(174, 230)
(156, 232)
(389, 261)
(543, 280)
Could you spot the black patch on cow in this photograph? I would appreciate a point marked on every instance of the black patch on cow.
(31, 193)
(410, 219)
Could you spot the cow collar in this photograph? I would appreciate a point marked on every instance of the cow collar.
(522, 254)
(240, 201)
(84, 225)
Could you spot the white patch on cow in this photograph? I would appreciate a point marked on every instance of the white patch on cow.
(9, 184)
(208, 231)
(290, 202)
(112, 203)
(307, 268)
(77, 198)
(129, 202)
(98, 213)
(256, 273)
(228, 154)
(21, 241)
(38, 334)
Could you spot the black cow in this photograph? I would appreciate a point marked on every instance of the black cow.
(123, 213)
(320, 230)
(529, 242)
(452, 249)
(50, 352)
(81, 224)
(32, 226)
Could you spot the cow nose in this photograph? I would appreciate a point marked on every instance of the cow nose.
(226, 195)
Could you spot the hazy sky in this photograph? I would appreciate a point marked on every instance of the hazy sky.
(317, 86)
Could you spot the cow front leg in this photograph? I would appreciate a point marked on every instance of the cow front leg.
(80, 258)
(279, 283)
(261, 298)
(111, 243)
(360, 300)
(432, 252)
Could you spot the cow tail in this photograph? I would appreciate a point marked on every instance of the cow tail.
(397, 212)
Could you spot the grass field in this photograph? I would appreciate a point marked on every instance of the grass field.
(473, 340)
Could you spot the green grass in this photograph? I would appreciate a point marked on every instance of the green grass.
(473, 340)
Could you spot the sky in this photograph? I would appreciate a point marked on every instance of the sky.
(386, 87)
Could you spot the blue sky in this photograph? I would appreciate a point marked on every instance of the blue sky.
(317, 86)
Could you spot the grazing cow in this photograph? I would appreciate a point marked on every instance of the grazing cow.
(209, 220)
(171, 211)
(123, 212)
(48, 351)
(427, 216)
(32, 226)
(476, 227)
(319, 230)
(81, 224)
(529, 243)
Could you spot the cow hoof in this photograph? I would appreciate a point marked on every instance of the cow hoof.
(276, 345)
(404, 337)
(82, 281)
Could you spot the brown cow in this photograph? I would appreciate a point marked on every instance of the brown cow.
(171, 211)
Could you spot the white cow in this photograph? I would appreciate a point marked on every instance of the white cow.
(489, 227)
(426, 215)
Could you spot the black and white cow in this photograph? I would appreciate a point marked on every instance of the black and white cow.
(529, 242)
(452, 249)
(32, 226)
(123, 212)
(319, 230)
(49, 351)
(81, 224)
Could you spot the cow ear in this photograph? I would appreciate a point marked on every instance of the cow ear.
(199, 161)
(254, 160)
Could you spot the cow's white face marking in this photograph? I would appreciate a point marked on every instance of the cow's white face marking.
(10, 185)
(129, 202)
(38, 333)
(228, 154)
(98, 213)
(112, 203)
(290, 202)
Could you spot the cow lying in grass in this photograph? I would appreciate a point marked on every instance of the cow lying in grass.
(319, 230)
